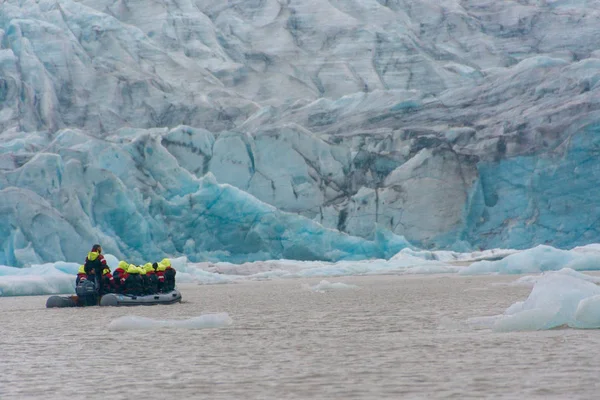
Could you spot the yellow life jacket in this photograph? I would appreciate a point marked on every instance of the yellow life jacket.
(132, 269)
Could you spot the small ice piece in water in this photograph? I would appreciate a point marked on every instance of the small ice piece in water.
(587, 314)
(528, 320)
(324, 286)
(561, 298)
(132, 322)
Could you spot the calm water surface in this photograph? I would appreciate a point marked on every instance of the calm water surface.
(396, 337)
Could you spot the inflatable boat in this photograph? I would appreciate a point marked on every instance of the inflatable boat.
(87, 296)
(113, 299)
(116, 300)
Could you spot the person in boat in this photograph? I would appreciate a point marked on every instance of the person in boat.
(134, 284)
(120, 275)
(160, 276)
(95, 262)
(108, 281)
(144, 278)
(169, 276)
(150, 279)
(81, 275)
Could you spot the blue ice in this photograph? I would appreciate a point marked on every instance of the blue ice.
(141, 204)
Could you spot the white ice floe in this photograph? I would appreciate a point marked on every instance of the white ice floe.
(539, 259)
(131, 322)
(562, 298)
(325, 286)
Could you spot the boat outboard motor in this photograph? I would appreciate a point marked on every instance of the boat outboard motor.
(86, 292)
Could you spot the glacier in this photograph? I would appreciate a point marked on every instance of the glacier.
(331, 131)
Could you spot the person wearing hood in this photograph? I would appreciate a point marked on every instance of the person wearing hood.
(120, 276)
(160, 276)
(94, 266)
(169, 274)
(151, 279)
(108, 281)
(133, 283)
(81, 275)
(144, 277)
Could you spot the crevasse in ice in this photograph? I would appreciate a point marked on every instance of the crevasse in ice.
(310, 130)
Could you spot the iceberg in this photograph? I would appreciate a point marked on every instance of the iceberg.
(539, 259)
(51, 278)
(562, 298)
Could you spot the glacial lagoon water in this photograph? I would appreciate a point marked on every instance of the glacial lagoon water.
(390, 337)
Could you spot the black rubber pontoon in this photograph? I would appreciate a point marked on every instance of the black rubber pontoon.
(60, 302)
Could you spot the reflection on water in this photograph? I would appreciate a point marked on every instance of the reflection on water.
(393, 337)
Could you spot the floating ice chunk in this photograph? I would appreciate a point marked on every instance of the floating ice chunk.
(453, 256)
(538, 259)
(325, 286)
(197, 273)
(57, 278)
(531, 280)
(132, 322)
(432, 269)
(562, 298)
(587, 314)
(528, 320)
(292, 269)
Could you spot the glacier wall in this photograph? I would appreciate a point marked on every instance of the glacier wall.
(301, 129)
(549, 198)
(132, 196)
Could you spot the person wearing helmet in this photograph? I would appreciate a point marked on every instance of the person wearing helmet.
(169, 274)
(120, 276)
(94, 265)
(81, 275)
(133, 282)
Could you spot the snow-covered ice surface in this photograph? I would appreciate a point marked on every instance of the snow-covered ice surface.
(255, 130)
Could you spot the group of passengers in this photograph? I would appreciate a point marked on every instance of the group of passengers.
(137, 280)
